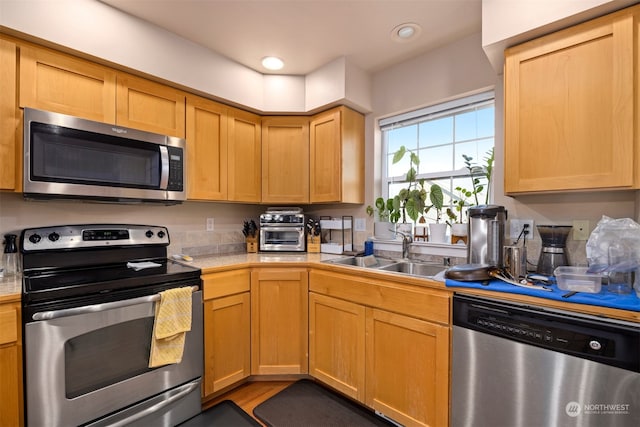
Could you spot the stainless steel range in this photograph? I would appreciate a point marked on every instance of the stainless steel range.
(89, 296)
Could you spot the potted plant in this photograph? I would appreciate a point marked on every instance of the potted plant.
(410, 202)
(383, 225)
(456, 216)
(478, 175)
(437, 230)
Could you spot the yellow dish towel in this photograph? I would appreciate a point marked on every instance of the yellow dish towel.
(171, 323)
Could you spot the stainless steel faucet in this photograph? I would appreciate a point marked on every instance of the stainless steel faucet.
(407, 239)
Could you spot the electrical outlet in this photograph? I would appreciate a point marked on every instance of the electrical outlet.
(209, 224)
(360, 224)
(580, 229)
(516, 226)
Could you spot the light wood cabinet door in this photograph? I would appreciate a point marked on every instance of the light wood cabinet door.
(146, 105)
(336, 344)
(279, 321)
(407, 368)
(569, 109)
(11, 404)
(206, 149)
(61, 83)
(227, 329)
(285, 160)
(244, 157)
(337, 157)
(8, 116)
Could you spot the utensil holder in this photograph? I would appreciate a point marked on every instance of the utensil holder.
(313, 244)
(252, 244)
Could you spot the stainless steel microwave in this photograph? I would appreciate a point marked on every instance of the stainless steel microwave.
(69, 157)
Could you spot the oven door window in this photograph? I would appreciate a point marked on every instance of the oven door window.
(282, 236)
(107, 356)
(66, 155)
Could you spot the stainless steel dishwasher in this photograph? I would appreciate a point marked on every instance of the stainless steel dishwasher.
(521, 365)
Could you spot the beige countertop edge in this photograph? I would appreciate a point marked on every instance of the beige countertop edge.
(11, 288)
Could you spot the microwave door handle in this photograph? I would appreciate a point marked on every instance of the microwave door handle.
(164, 167)
(76, 311)
(181, 392)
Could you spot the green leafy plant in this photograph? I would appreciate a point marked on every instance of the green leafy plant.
(436, 197)
(383, 209)
(480, 176)
(459, 202)
(410, 201)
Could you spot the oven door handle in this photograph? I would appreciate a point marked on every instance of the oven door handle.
(56, 314)
(181, 392)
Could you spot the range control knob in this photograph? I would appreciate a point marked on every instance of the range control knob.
(54, 236)
(149, 234)
(35, 238)
(161, 234)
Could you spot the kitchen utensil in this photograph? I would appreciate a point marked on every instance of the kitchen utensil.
(553, 253)
(500, 274)
(468, 272)
(515, 260)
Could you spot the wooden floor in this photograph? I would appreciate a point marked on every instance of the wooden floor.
(251, 394)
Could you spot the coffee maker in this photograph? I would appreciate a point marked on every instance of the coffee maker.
(553, 253)
(486, 235)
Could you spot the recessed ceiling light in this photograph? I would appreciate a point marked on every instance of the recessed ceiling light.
(272, 63)
(406, 32)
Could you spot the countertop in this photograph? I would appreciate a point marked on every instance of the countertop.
(10, 288)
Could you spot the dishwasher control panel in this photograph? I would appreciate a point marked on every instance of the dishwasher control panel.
(601, 340)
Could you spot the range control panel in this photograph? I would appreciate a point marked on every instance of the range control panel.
(63, 237)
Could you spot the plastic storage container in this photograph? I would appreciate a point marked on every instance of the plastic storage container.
(577, 279)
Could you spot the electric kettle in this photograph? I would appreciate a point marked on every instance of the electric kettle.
(486, 235)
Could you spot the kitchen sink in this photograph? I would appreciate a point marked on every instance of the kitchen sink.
(414, 268)
(369, 261)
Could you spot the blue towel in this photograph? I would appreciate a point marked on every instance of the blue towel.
(603, 298)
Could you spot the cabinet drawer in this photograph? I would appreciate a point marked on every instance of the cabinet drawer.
(226, 283)
(8, 326)
(421, 303)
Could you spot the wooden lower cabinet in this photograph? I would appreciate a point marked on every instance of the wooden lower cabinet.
(337, 344)
(399, 335)
(407, 368)
(227, 323)
(279, 321)
(11, 403)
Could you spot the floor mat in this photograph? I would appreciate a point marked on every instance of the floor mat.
(225, 413)
(306, 403)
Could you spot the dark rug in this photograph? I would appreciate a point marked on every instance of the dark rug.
(307, 403)
(224, 414)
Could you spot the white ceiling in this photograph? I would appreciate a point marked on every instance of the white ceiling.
(308, 34)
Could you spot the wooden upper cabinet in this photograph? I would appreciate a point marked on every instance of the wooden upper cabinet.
(8, 115)
(150, 106)
(285, 159)
(206, 149)
(61, 83)
(337, 157)
(244, 164)
(569, 108)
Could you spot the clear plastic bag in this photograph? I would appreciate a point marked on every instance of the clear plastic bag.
(621, 235)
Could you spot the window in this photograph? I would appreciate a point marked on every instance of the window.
(440, 135)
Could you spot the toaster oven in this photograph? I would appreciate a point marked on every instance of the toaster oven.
(282, 230)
